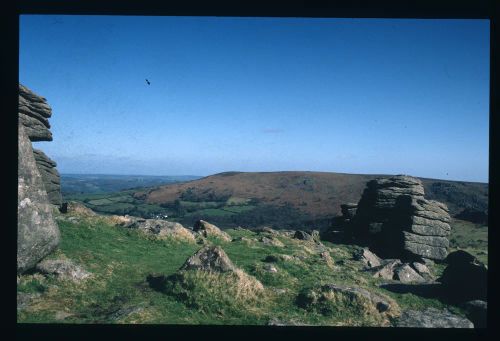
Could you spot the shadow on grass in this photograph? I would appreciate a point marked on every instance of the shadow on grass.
(427, 290)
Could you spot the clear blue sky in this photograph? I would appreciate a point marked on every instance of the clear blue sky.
(261, 94)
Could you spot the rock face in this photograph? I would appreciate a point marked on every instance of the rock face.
(465, 278)
(396, 221)
(34, 114)
(50, 176)
(432, 318)
(349, 210)
(37, 232)
(209, 258)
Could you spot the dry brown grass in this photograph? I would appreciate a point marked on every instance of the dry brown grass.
(177, 234)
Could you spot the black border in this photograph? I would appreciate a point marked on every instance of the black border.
(424, 9)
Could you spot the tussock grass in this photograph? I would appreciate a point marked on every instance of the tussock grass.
(233, 292)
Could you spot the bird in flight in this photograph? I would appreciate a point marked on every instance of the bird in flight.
(148, 82)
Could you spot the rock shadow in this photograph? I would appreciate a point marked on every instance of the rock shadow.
(426, 290)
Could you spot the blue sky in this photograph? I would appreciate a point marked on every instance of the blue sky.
(381, 96)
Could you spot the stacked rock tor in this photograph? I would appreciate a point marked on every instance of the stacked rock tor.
(396, 221)
(37, 232)
(34, 114)
(50, 176)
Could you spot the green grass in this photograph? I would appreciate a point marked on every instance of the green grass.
(120, 260)
(470, 237)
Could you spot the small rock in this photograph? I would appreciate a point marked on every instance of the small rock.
(423, 271)
(271, 241)
(370, 259)
(63, 269)
(432, 318)
(406, 274)
(207, 229)
(386, 271)
(477, 312)
(301, 235)
(270, 268)
(24, 299)
(325, 255)
(209, 258)
(61, 315)
(124, 312)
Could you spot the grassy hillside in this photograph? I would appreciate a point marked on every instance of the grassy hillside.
(121, 259)
(316, 194)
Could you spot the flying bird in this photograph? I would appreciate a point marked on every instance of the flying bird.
(148, 82)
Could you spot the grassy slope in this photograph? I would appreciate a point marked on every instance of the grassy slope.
(316, 193)
(120, 260)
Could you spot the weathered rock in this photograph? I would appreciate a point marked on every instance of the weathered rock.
(24, 299)
(370, 302)
(271, 241)
(395, 220)
(477, 312)
(266, 229)
(125, 312)
(206, 229)
(349, 210)
(33, 115)
(370, 259)
(77, 208)
(406, 274)
(432, 318)
(386, 270)
(38, 233)
(50, 177)
(423, 271)
(282, 323)
(302, 235)
(158, 227)
(325, 255)
(465, 278)
(209, 258)
(276, 258)
(270, 268)
(63, 269)
(432, 252)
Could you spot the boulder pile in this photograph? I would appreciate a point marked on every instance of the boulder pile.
(395, 220)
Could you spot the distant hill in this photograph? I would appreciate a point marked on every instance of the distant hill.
(318, 194)
(105, 183)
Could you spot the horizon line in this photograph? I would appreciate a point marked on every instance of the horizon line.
(278, 171)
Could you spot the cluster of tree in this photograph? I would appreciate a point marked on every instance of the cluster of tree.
(278, 217)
